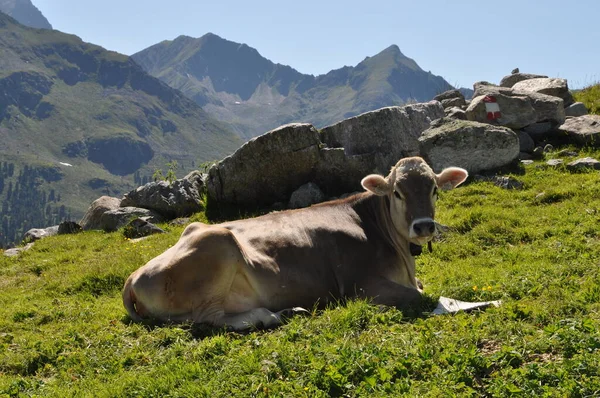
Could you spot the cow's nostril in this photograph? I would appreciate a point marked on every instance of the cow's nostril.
(424, 228)
(431, 227)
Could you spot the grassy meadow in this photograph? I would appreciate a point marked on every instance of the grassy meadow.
(64, 332)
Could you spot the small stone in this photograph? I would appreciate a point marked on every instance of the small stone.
(554, 162)
(583, 163)
(526, 161)
(567, 153)
(507, 182)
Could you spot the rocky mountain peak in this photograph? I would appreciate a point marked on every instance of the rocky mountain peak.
(25, 13)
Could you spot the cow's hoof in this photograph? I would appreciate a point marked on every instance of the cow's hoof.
(290, 312)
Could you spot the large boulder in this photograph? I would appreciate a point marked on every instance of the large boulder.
(511, 80)
(266, 169)
(516, 111)
(474, 146)
(486, 88)
(384, 135)
(451, 98)
(547, 108)
(91, 218)
(178, 199)
(549, 86)
(114, 219)
(583, 130)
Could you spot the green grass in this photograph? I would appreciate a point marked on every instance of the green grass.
(590, 96)
(64, 332)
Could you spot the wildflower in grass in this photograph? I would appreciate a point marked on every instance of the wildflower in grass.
(475, 288)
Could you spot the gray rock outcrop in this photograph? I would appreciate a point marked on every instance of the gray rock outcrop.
(516, 111)
(39, 233)
(451, 98)
(180, 199)
(114, 219)
(583, 163)
(92, 217)
(550, 86)
(583, 130)
(268, 168)
(471, 145)
(514, 78)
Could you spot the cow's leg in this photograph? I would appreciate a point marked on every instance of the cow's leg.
(257, 318)
(385, 292)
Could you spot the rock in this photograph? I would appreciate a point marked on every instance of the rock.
(471, 145)
(583, 163)
(451, 98)
(538, 131)
(38, 233)
(527, 161)
(507, 182)
(583, 130)
(511, 80)
(516, 112)
(180, 221)
(180, 199)
(267, 168)
(306, 195)
(554, 162)
(385, 135)
(576, 109)
(485, 88)
(551, 86)
(547, 108)
(526, 143)
(17, 250)
(114, 219)
(516, 70)
(456, 113)
(138, 228)
(567, 153)
(69, 227)
(91, 218)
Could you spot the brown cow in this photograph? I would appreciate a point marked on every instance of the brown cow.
(248, 273)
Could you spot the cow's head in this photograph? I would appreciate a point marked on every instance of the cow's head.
(412, 190)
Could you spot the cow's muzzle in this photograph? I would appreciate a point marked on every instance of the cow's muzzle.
(422, 230)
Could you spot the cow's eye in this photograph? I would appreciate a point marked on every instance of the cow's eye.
(397, 195)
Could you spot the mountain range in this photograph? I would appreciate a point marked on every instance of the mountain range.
(80, 121)
(235, 84)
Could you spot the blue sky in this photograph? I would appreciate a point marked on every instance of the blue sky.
(462, 40)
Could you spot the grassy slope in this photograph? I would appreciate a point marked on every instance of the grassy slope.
(63, 331)
(590, 96)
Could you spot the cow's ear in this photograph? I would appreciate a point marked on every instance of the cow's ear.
(451, 177)
(376, 184)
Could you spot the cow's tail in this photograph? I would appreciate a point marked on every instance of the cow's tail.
(130, 301)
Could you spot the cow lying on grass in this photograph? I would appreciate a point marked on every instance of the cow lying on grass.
(247, 273)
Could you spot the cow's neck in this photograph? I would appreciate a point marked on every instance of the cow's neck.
(378, 208)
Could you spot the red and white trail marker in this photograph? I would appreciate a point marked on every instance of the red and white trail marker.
(492, 108)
